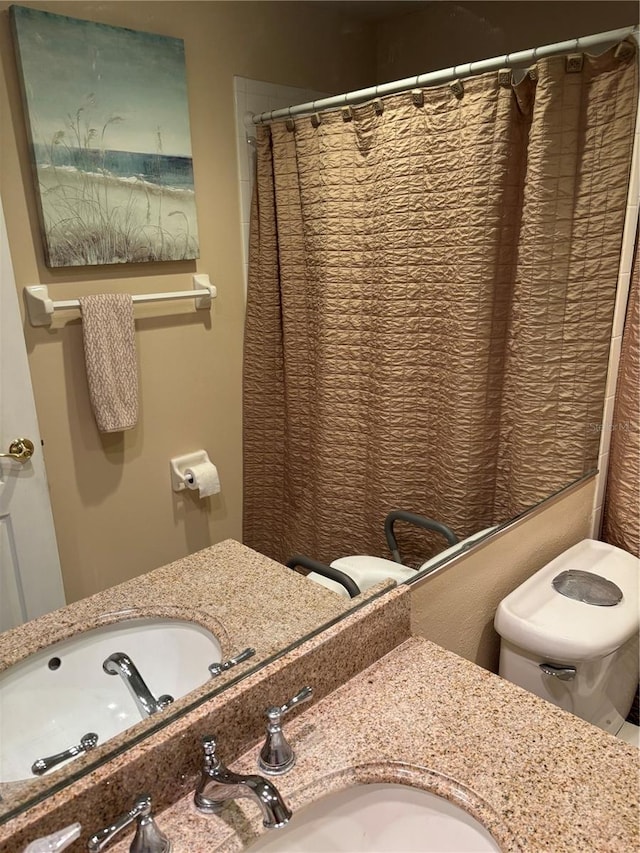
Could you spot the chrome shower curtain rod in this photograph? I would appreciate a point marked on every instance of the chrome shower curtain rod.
(520, 59)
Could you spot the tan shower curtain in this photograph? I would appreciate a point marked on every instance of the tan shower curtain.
(621, 525)
(415, 331)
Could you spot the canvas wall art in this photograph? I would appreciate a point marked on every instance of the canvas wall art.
(109, 129)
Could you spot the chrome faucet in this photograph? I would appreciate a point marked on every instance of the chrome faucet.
(217, 784)
(276, 755)
(120, 664)
(148, 838)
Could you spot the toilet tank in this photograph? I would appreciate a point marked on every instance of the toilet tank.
(581, 656)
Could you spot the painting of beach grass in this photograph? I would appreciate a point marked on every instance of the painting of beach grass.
(109, 130)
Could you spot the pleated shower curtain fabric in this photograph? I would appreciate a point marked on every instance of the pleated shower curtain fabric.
(576, 184)
(414, 334)
(621, 522)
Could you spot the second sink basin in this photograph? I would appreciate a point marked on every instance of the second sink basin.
(50, 700)
(379, 818)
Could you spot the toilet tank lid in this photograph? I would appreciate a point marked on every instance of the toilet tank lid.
(537, 618)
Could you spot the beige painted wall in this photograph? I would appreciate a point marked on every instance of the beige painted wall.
(456, 606)
(451, 33)
(114, 511)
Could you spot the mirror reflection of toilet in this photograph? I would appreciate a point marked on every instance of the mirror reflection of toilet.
(570, 633)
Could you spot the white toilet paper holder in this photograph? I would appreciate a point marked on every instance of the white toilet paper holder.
(179, 465)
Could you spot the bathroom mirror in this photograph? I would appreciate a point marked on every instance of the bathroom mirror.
(60, 350)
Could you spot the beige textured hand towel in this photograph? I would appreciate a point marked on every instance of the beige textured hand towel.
(110, 356)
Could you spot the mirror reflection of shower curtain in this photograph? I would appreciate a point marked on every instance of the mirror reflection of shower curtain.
(430, 298)
(621, 524)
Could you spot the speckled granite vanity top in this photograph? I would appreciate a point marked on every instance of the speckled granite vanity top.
(241, 596)
(538, 778)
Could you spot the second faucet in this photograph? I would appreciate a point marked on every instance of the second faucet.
(217, 784)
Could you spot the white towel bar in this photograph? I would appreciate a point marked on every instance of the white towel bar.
(40, 307)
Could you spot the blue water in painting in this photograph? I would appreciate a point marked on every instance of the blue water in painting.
(160, 169)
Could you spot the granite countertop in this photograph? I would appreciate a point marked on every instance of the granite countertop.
(242, 597)
(537, 777)
(168, 761)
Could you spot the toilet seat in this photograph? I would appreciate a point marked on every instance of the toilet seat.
(365, 571)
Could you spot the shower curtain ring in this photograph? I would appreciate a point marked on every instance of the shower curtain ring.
(289, 122)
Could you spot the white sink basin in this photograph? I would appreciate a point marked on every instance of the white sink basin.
(53, 698)
(376, 818)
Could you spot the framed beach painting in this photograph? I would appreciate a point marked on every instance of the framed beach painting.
(108, 120)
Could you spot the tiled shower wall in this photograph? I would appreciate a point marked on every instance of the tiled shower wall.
(254, 96)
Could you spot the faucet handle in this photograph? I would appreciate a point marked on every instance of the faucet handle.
(42, 765)
(148, 838)
(222, 666)
(303, 696)
(276, 755)
(209, 745)
(211, 760)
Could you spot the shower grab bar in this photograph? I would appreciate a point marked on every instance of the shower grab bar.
(40, 307)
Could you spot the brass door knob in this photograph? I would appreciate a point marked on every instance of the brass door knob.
(20, 449)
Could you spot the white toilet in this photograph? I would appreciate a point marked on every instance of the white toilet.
(570, 633)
